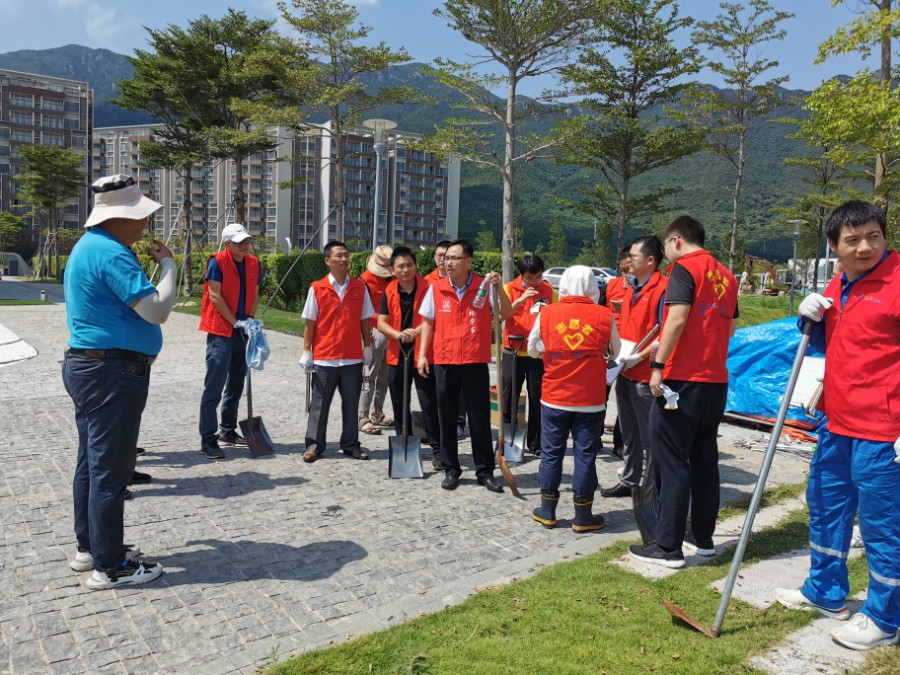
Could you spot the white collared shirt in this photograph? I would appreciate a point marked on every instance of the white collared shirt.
(311, 313)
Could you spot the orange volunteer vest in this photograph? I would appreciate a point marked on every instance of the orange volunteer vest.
(376, 286)
(462, 332)
(521, 322)
(392, 293)
(638, 316)
(337, 328)
(210, 319)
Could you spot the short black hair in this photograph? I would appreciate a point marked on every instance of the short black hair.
(853, 214)
(650, 246)
(400, 252)
(530, 264)
(443, 243)
(331, 245)
(466, 246)
(624, 253)
(688, 228)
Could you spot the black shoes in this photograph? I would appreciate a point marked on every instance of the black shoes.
(460, 431)
(436, 462)
(490, 483)
(212, 450)
(655, 555)
(620, 490)
(451, 480)
(138, 478)
(705, 547)
(232, 439)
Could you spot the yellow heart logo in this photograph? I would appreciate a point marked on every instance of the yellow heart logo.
(574, 340)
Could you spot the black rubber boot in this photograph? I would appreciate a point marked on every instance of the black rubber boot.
(545, 514)
(585, 521)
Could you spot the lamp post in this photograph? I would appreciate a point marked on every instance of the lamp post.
(796, 223)
(379, 126)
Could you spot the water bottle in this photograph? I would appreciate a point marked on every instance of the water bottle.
(481, 295)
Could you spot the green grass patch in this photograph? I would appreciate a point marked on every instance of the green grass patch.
(24, 302)
(771, 496)
(274, 319)
(881, 661)
(756, 309)
(587, 615)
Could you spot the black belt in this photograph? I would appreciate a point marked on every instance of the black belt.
(106, 354)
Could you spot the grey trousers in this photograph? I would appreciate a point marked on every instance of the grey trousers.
(373, 399)
(326, 379)
(633, 400)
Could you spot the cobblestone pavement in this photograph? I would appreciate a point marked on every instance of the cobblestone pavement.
(261, 556)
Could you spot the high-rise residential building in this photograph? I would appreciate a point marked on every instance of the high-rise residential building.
(47, 110)
(289, 189)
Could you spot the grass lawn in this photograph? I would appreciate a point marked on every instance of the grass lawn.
(274, 319)
(757, 309)
(585, 616)
(4, 303)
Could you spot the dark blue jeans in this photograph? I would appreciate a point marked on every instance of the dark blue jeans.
(109, 397)
(226, 368)
(585, 428)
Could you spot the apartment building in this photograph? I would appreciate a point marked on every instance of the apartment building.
(49, 110)
(288, 189)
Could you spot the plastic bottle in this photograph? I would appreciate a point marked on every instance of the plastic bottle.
(481, 295)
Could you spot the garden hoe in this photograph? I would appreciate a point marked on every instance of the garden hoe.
(755, 500)
(501, 441)
(253, 429)
(405, 451)
(514, 449)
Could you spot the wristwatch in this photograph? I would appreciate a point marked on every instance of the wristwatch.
(656, 365)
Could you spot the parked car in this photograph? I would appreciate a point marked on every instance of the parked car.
(603, 275)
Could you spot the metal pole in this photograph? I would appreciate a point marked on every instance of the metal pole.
(793, 278)
(379, 153)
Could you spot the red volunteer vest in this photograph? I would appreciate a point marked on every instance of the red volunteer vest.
(462, 332)
(376, 286)
(521, 322)
(210, 319)
(862, 387)
(392, 293)
(338, 326)
(433, 275)
(638, 317)
(575, 332)
(615, 290)
(702, 349)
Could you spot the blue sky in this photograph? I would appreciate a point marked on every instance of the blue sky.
(118, 26)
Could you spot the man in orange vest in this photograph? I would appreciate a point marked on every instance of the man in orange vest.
(376, 277)
(527, 293)
(693, 347)
(612, 298)
(459, 321)
(230, 296)
(640, 313)
(336, 346)
(572, 337)
(440, 270)
(399, 320)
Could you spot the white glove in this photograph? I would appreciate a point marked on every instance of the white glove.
(367, 356)
(897, 450)
(306, 362)
(629, 361)
(814, 306)
(240, 324)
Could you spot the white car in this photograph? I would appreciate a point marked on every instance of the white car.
(603, 275)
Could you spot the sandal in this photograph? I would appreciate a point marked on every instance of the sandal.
(381, 420)
(366, 426)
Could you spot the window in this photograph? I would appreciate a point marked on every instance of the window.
(23, 136)
(53, 122)
(52, 104)
(21, 101)
(21, 118)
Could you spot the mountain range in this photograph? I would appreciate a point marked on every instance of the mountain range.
(704, 180)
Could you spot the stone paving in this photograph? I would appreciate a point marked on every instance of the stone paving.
(261, 556)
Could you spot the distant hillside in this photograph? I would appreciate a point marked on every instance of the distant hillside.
(705, 181)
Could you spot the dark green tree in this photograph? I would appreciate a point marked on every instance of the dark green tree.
(11, 227)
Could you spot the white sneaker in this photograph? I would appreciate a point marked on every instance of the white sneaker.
(132, 573)
(84, 561)
(794, 599)
(860, 632)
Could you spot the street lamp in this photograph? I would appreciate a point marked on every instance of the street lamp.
(379, 126)
(796, 223)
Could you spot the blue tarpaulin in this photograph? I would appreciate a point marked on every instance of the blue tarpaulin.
(759, 365)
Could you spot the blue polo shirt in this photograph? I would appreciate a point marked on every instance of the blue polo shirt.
(102, 279)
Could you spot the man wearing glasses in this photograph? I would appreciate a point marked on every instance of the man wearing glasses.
(459, 328)
(230, 296)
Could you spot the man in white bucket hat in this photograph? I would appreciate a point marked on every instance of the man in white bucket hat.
(114, 315)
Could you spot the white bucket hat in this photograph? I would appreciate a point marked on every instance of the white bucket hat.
(234, 232)
(119, 196)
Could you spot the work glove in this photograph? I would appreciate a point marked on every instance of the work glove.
(629, 361)
(240, 324)
(367, 356)
(306, 362)
(814, 306)
(897, 450)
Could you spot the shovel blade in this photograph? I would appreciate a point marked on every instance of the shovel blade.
(405, 461)
(690, 621)
(258, 439)
(514, 444)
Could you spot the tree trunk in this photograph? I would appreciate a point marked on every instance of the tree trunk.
(884, 76)
(339, 184)
(239, 206)
(188, 277)
(56, 252)
(736, 205)
(508, 242)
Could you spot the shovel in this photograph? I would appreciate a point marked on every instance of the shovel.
(754, 501)
(405, 452)
(253, 429)
(514, 448)
(501, 440)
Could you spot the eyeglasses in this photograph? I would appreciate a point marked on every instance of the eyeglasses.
(440, 256)
(242, 244)
(408, 266)
(339, 256)
(456, 258)
(666, 243)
